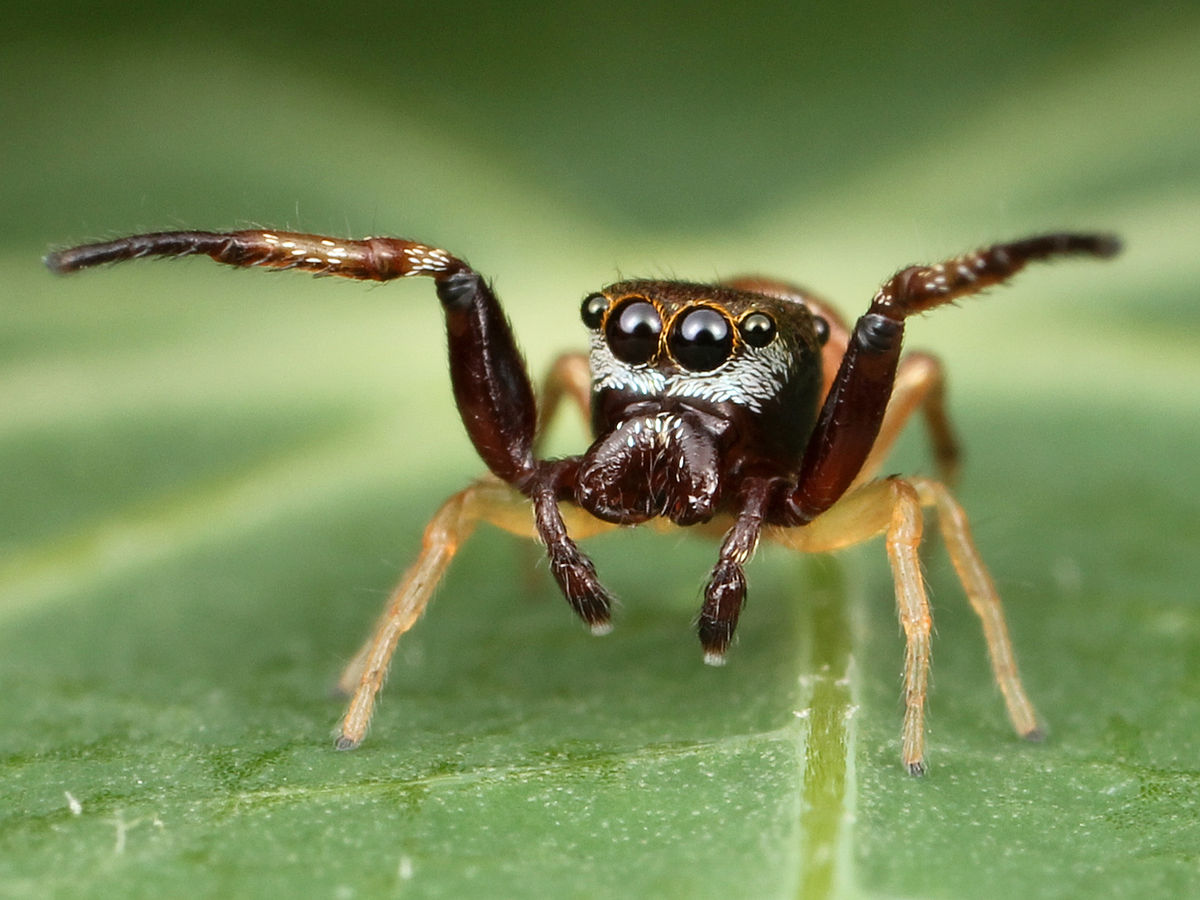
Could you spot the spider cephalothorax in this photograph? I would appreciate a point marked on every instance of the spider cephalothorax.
(693, 387)
(747, 404)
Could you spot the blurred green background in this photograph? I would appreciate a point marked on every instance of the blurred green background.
(211, 478)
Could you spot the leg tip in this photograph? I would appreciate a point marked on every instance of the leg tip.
(715, 638)
(1106, 246)
(346, 743)
(1035, 735)
(599, 629)
(56, 263)
(916, 769)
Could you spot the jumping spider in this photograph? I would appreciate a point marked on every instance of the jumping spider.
(748, 408)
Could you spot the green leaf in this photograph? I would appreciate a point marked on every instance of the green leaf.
(211, 479)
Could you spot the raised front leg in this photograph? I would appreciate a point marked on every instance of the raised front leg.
(491, 385)
(853, 412)
(490, 382)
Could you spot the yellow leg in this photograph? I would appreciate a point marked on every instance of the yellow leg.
(890, 507)
(450, 526)
(488, 500)
(903, 545)
(893, 507)
(570, 377)
(981, 592)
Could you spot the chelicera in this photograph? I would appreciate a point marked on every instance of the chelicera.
(747, 408)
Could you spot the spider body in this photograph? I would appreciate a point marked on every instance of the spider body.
(747, 405)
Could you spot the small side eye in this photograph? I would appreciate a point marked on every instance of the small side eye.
(758, 329)
(593, 310)
(821, 327)
(701, 339)
(632, 331)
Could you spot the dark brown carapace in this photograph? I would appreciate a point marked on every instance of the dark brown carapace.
(747, 407)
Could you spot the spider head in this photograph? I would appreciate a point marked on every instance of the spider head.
(709, 344)
(749, 362)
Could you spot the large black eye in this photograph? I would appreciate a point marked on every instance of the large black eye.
(593, 309)
(758, 329)
(701, 339)
(633, 330)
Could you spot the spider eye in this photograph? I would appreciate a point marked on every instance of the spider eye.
(758, 329)
(701, 339)
(632, 331)
(593, 309)
(821, 327)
